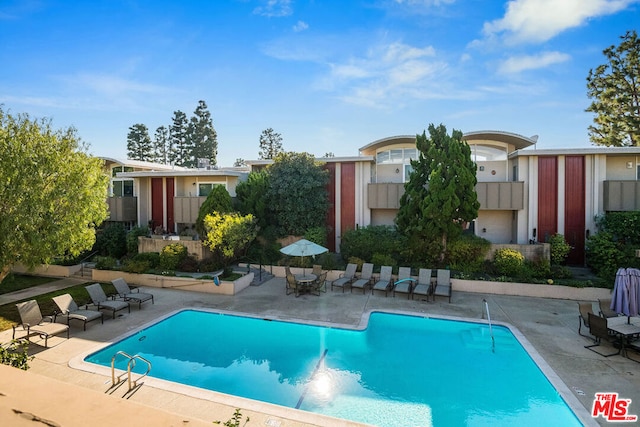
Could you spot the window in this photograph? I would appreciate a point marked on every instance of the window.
(122, 187)
(116, 169)
(204, 188)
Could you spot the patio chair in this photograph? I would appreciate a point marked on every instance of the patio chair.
(70, 310)
(365, 278)
(384, 282)
(32, 321)
(598, 328)
(605, 308)
(345, 278)
(316, 269)
(320, 284)
(100, 300)
(125, 292)
(443, 284)
(405, 283)
(291, 283)
(585, 308)
(423, 287)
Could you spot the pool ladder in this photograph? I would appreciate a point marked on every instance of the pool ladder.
(131, 363)
(486, 310)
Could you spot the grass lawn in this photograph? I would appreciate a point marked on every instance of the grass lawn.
(9, 313)
(17, 282)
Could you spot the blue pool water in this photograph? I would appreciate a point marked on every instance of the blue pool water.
(400, 371)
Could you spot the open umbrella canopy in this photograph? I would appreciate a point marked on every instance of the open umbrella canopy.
(303, 247)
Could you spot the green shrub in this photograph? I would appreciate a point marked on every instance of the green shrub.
(317, 235)
(172, 255)
(327, 260)
(132, 239)
(559, 249)
(357, 261)
(16, 354)
(111, 240)
(364, 242)
(106, 263)
(153, 258)
(508, 262)
(383, 259)
(604, 255)
(188, 264)
(467, 253)
(138, 266)
(209, 265)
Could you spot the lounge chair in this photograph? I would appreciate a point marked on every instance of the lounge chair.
(100, 300)
(384, 282)
(423, 287)
(34, 323)
(124, 292)
(292, 284)
(70, 310)
(365, 278)
(605, 308)
(345, 278)
(585, 309)
(443, 284)
(404, 284)
(598, 328)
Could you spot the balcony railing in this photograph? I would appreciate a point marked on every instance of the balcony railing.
(621, 195)
(491, 195)
(122, 208)
(185, 209)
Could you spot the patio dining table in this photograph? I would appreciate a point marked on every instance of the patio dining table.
(626, 332)
(305, 281)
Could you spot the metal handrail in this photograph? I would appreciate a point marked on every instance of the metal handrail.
(486, 308)
(83, 260)
(130, 365)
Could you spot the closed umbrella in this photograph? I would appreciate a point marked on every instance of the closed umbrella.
(626, 292)
(303, 248)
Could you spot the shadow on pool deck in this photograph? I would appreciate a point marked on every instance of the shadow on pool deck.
(549, 325)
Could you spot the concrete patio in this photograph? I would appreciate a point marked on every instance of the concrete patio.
(549, 325)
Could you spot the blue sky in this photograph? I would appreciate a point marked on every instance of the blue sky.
(328, 75)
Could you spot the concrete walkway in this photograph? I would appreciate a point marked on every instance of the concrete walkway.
(54, 285)
(549, 325)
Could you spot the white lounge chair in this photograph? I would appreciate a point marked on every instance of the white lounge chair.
(100, 300)
(126, 293)
(365, 278)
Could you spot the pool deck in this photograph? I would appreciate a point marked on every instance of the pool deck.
(54, 391)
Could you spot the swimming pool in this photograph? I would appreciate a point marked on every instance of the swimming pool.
(400, 370)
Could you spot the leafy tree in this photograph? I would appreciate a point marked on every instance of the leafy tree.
(139, 146)
(52, 192)
(229, 234)
(440, 195)
(218, 200)
(112, 240)
(160, 145)
(615, 90)
(270, 144)
(240, 162)
(328, 155)
(179, 146)
(251, 197)
(202, 137)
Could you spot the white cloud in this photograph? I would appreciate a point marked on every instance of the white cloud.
(424, 2)
(274, 8)
(536, 21)
(516, 64)
(111, 86)
(300, 26)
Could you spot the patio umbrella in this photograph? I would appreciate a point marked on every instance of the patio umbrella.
(626, 292)
(303, 248)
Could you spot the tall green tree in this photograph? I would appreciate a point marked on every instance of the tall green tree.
(297, 193)
(614, 88)
(251, 197)
(139, 145)
(179, 145)
(203, 137)
(52, 192)
(270, 144)
(218, 200)
(160, 142)
(440, 196)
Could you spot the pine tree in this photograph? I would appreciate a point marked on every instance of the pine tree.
(615, 90)
(179, 151)
(440, 195)
(139, 146)
(203, 137)
(270, 144)
(160, 141)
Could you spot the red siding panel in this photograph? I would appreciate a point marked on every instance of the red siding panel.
(170, 217)
(157, 211)
(547, 197)
(331, 212)
(347, 197)
(574, 208)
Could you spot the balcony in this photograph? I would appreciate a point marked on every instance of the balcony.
(621, 195)
(122, 209)
(185, 209)
(491, 195)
